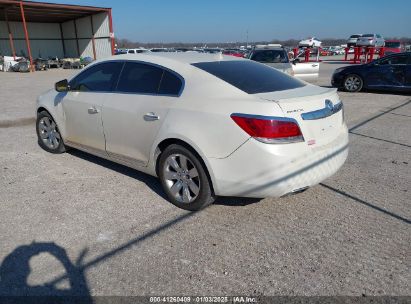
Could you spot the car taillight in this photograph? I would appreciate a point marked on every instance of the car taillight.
(269, 129)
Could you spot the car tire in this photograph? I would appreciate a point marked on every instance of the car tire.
(48, 134)
(184, 178)
(353, 83)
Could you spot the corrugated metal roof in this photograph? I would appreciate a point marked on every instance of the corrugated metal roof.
(45, 12)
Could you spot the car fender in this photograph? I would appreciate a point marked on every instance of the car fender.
(51, 102)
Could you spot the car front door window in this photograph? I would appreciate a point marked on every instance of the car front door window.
(98, 78)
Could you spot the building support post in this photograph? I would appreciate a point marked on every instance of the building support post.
(93, 42)
(13, 50)
(62, 40)
(75, 32)
(26, 35)
(110, 22)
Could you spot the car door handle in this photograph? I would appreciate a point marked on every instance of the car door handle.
(151, 117)
(92, 110)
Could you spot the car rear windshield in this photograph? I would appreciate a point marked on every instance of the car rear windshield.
(249, 76)
(355, 36)
(392, 44)
(368, 35)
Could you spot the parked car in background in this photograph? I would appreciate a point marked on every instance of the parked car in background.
(375, 40)
(206, 125)
(120, 51)
(336, 50)
(310, 42)
(392, 72)
(137, 51)
(278, 57)
(233, 52)
(326, 52)
(352, 40)
(393, 46)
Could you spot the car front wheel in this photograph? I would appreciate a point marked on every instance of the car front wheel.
(353, 83)
(48, 134)
(184, 178)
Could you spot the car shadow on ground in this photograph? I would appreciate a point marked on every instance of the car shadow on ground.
(152, 182)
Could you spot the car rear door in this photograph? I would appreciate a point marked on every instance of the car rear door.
(387, 72)
(133, 115)
(82, 105)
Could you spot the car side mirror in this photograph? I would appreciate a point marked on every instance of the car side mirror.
(62, 86)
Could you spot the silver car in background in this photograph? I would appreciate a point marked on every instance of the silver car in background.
(352, 40)
(277, 57)
(375, 40)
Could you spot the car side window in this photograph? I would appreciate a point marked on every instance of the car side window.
(170, 84)
(131, 52)
(139, 78)
(395, 60)
(101, 77)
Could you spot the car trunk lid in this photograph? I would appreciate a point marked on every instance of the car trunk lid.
(317, 111)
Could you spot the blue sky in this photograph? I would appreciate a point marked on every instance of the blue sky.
(229, 20)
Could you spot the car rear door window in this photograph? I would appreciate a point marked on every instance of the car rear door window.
(170, 84)
(101, 77)
(139, 78)
(394, 60)
(249, 76)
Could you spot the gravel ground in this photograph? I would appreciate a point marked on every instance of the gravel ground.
(90, 226)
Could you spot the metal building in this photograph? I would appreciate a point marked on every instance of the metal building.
(43, 30)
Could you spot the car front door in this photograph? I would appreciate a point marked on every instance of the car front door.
(387, 72)
(83, 103)
(133, 115)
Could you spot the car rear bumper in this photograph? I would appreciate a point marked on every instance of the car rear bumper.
(262, 170)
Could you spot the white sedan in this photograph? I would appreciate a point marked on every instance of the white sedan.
(310, 42)
(206, 124)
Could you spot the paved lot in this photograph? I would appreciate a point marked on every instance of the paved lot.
(111, 231)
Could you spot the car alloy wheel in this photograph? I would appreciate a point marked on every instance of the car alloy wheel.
(48, 134)
(353, 83)
(184, 178)
(181, 178)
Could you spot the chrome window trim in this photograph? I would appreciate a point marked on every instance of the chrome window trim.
(327, 111)
(124, 61)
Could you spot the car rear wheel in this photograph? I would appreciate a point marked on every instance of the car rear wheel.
(184, 178)
(353, 83)
(48, 134)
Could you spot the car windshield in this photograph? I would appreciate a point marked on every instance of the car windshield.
(392, 44)
(368, 35)
(249, 76)
(355, 36)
